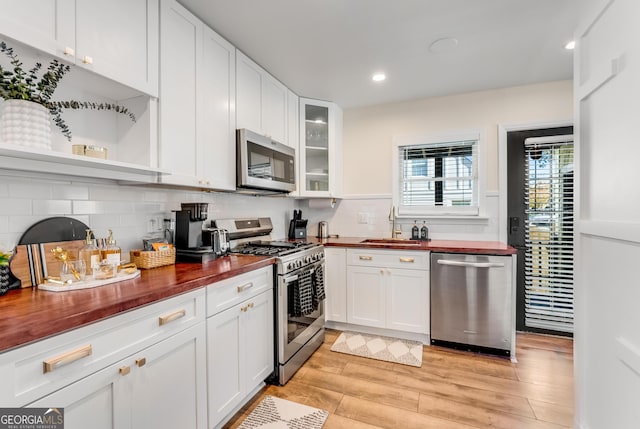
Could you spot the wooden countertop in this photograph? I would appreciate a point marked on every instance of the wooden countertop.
(30, 314)
(446, 246)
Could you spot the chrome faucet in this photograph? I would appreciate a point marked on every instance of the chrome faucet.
(392, 217)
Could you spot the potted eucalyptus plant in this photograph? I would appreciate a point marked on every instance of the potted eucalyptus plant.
(28, 102)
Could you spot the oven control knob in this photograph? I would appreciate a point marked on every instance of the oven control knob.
(307, 259)
(290, 266)
(299, 263)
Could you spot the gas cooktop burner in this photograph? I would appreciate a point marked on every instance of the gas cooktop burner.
(272, 248)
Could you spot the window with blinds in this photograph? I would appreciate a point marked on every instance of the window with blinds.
(438, 178)
(549, 233)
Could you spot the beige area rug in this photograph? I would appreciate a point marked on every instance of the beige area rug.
(389, 349)
(277, 413)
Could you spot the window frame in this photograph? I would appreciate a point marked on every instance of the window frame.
(468, 212)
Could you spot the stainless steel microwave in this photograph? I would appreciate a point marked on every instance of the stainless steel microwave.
(265, 164)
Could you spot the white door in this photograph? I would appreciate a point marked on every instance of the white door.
(169, 389)
(180, 45)
(224, 362)
(248, 94)
(366, 296)
(216, 113)
(99, 401)
(51, 29)
(274, 109)
(607, 338)
(335, 284)
(257, 336)
(408, 300)
(119, 39)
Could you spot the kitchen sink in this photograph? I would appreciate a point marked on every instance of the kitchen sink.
(399, 241)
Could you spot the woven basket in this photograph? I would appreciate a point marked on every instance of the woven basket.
(152, 259)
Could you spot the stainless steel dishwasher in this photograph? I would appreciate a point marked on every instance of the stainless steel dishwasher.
(472, 302)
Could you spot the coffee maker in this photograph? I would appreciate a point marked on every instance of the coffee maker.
(188, 233)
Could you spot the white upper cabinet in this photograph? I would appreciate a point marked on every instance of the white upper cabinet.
(117, 39)
(216, 113)
(51, 29)
(293, 119)
(320, 153)
(197, 122)
(261, 100)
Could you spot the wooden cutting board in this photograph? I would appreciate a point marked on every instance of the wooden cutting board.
(31, 263)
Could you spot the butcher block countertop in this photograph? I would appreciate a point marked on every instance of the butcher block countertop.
(30, 314)
(445, 246)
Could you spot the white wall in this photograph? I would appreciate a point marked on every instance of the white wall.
(102, 205)
(607, 323)
(368, 135)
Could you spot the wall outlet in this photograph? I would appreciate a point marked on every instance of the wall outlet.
(363, 217)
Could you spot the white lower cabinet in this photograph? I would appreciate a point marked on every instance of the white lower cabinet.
(162, 386)
(335, 284)
(240, 342)
(388, 289)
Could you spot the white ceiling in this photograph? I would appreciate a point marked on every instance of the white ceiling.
(328, 49)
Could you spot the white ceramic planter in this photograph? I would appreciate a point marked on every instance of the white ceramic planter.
(25, 123)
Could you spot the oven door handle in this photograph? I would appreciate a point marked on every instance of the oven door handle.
(290, 279)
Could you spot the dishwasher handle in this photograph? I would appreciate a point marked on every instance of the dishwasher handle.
(470, 264)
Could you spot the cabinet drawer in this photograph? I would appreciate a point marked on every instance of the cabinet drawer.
(38, 369)
(226, 293)
(388, 259)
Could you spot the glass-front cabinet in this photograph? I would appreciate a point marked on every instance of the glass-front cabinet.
(320, 155)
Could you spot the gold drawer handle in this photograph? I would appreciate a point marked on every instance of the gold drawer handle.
(366, 258)
(407, 260)
(66, 358)
(141, 362)
(163, 320)
(250, 305)
(245, 287)
(124, 370)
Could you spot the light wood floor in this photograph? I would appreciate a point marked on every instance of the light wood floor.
(452, 389)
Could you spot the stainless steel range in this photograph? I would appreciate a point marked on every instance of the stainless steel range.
(299, 289)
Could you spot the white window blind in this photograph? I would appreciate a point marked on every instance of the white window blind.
(549, 233)
(438, 178)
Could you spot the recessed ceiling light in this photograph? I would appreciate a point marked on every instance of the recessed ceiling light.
(443, 45)
(570, 45)
(378, 77)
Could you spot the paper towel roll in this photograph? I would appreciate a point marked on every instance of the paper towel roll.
(322, 203)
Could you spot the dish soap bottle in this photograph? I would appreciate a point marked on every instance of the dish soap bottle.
(415, 234)
(90, 253)
(111, 252)
(424, 231)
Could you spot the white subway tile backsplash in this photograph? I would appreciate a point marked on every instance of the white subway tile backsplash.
(108, 207)
(113, 193)
(103, 221)
(4, 190)
(52, 207)
(70, 192)
(36, 189)
(4, 224)
(14, 206)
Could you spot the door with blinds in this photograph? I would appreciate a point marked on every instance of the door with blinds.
(540, 206)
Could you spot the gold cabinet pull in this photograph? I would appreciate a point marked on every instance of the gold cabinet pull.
(366, 258)
(250, 305)
(66, 358)
(407, 260)
(243, 309)
(124, 370)
(141, 361)
(163, 320)
(245, 287)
